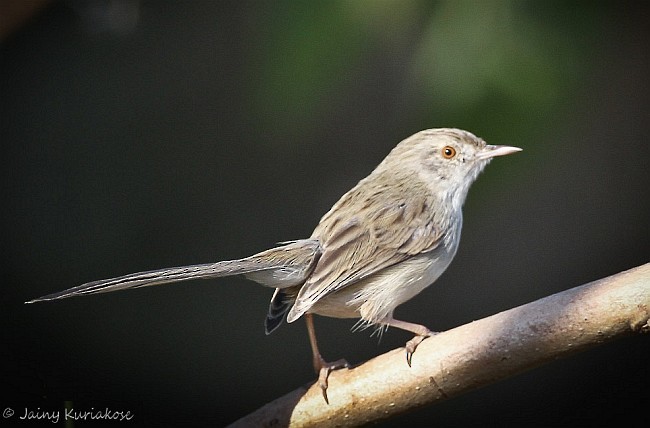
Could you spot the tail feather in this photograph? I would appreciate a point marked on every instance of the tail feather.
(144, 279)
(281, 267)
(278, 307)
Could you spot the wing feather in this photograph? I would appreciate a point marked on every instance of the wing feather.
(361, 235)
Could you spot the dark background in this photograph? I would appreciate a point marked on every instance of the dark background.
(139, 135)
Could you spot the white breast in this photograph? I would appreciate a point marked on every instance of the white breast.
(376, 297)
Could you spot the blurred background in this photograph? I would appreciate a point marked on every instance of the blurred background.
(139, 135)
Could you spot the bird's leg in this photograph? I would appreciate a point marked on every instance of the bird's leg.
(322, 367)
(421, 333)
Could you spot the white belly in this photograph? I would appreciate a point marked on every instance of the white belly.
(376, 297)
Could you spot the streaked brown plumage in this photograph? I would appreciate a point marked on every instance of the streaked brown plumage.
(382, 243)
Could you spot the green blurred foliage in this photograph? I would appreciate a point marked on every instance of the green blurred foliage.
(482, 64)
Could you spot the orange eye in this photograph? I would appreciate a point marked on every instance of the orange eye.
(448, 152)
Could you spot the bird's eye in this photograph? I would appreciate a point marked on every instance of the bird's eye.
(448, 152)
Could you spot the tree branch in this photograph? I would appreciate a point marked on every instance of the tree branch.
(470, 356)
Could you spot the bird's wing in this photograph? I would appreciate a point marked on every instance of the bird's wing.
(366, 236)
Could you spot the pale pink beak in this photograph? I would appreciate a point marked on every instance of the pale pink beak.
(493, 151)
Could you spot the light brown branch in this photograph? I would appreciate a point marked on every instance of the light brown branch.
(470, 356)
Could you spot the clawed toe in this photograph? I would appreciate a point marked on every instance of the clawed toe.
(412, 345)
(324, 372)
(421, 333)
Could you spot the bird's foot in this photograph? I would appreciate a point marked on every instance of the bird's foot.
(323, 369)
(412, 345)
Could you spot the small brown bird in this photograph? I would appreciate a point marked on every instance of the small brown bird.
(382, 243)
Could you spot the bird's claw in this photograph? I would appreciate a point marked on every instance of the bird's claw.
(324, 373)
(412, 345)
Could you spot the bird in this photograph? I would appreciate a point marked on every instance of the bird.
(382, 243)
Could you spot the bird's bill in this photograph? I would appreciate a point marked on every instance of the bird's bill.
(492, 151)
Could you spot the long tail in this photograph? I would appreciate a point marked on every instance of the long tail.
(279, 267)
